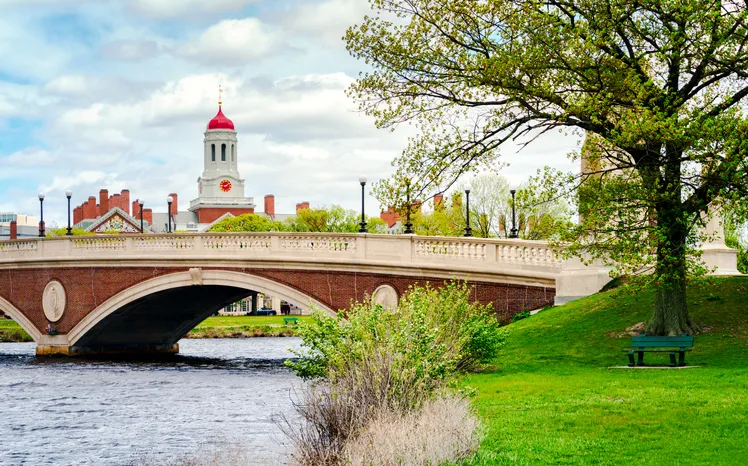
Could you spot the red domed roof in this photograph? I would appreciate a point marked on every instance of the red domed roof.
(220, 121)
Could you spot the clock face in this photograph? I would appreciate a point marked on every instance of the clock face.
(225, 186)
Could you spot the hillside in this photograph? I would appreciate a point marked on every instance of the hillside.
(553, 398)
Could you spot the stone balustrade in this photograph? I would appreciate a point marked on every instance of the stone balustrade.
(482, 255)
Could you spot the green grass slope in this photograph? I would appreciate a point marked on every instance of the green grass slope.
(553, 398)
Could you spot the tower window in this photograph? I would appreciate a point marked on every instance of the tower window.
(212, 152)
(223, 152)
(233, 154)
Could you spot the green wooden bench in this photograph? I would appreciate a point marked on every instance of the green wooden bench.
(641, 344)
(290, 320)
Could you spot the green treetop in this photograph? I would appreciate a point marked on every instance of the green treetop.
(659, 83)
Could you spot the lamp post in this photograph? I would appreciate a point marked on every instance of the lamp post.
(169, 200)
(69, 194)
(468, 230)
(513, 233)
(41, 209)
(362, 180)
(408, 225)
(140, 203)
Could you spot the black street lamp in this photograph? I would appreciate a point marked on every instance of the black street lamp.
(513, 233)
(41, 209)
(362, 180)
(169, 200)
(140, 203)
(408, 225)
(468, 230)
(69, 194)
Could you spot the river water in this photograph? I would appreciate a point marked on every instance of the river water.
(216, 392)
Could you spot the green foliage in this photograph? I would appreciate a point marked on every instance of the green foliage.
(520, 316)
(333, 219)
(432, 333)
(735, 237)
(63, 231)
(655, 87)
(247, 222)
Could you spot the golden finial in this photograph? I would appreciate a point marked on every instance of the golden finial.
(220, 96)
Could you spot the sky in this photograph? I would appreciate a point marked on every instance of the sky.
(116, 94)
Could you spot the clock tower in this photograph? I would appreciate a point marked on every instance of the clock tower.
(220, 188)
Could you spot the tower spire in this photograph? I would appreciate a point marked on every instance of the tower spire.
(220, 96)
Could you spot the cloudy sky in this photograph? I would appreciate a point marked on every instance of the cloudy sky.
(116, 94)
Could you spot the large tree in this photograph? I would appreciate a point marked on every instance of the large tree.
(656, 85)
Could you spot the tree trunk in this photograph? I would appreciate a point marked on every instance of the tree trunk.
(670, 317)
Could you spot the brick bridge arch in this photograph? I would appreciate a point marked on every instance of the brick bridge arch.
(175, 302)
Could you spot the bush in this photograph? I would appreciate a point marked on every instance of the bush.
(381, 366)
(521, 315)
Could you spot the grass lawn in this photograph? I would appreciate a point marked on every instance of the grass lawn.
(552, 398)
(243, 321)
(10, 331)
(212, 327)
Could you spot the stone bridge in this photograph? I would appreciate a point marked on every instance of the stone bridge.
(101, 294)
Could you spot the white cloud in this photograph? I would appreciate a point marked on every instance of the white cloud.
(232, 42)
(129, 50)
(164, 9)
(28, 157)
(328, 19)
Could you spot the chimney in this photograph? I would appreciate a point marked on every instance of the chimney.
(13, 230)
(115, 200)
(438, 199)
(174, 205)
(103, 201)
(270, 205)
(148, 216)
(305, 205)
(76, 215)
(126, 201)
(89, 210)
(135, 209)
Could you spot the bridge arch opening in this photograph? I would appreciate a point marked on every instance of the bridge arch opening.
(12, 311)
(160, 311)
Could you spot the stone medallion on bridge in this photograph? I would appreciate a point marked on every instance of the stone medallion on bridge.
(54, 301)
(386, 296)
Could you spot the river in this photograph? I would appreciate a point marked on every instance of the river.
(215, 392)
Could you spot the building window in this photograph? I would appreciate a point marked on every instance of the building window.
(212, 152)
(223, 152)
(233, 154)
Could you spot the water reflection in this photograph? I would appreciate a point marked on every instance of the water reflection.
(107, 412)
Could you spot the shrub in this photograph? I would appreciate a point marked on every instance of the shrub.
(521, 315)
(381, 366)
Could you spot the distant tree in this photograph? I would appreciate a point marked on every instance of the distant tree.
(247, 222)
(333, 219)
(63, 231)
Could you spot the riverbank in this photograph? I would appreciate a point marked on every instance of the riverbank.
(554, 396)
(212, 327)
(11, 332)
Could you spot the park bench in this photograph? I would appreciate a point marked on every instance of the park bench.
(641, 344)
(290, 320)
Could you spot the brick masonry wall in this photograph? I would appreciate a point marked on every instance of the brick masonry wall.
(209, 215)
(87, 288)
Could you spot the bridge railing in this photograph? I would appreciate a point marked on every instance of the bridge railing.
(475, 253)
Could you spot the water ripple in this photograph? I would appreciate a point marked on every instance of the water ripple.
(107, 412)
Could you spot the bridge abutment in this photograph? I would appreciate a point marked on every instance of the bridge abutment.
(80, 351)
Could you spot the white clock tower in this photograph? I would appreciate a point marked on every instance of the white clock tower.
(220, 188)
